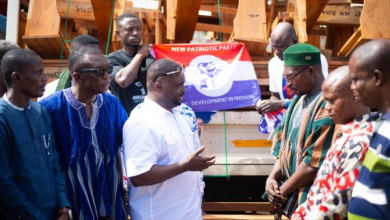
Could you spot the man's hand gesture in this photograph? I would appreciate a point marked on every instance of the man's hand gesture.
(194, 162)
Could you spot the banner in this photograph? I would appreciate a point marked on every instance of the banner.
(218, 76)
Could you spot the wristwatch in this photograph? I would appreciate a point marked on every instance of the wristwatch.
(67, 211)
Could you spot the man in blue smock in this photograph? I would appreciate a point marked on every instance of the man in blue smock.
(32, 185)
(87, 124)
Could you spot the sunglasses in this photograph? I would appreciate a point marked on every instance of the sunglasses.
(292, 76)
(180, 71)
(99, 72)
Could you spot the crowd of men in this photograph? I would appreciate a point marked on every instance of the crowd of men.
(65, 157)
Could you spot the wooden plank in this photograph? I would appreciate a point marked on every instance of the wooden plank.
(250, 21)
(186, 19)
(158, 38)
(240, 217)
(214, 2)
(271, 17)
(130, 9)
(348, 46)
(213, 27)
(314, 9)
(46, 46)
(85, 24)
(22, 28)
(214, 9)
(227, 20)
(42, 19)
(42, 29)
(375, 20)
(300, 18)
(337, 2)
(83, 10)
(171, 19)
(340, 15)
(263, 82)
(52, 67)
(337, 36)
(290, 6)
(102, 12)
(255, 47)
(78, 9)
(354, 41)
(237, 206)
(250, 26)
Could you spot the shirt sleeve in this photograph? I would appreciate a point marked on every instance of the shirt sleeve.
(142, 147)
(59, 176)
(272, 81)
(117, 65)
(10, 194)
(318, 143)
(324, 66)
(120, 121)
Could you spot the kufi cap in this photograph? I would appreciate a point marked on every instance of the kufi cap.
(302, 55)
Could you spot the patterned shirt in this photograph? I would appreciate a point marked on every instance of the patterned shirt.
(65, 80)
(88, 150)
(331, 192)
(307, 143)
(371, 194)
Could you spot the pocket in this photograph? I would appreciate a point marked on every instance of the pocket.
(173, 148)
(44, 149)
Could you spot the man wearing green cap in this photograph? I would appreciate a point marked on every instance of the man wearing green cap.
(305, 133)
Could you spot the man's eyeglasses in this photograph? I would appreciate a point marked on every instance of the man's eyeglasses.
(292, 76)
(180, 71)
(99, 72)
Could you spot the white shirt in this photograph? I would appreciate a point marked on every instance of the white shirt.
(276, 69)
(49, 89)
(153, 135)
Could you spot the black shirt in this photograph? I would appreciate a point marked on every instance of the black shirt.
(133, 94)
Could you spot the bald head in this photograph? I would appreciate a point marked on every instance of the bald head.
(338, 81)
(370, 72)
(373, 55)
(160, 66)
(284, 30)
(341, 102)
(166, 90)
(282, 37)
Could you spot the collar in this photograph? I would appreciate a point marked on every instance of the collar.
(76, 104)
(157, 108)
(354, 127)
(12, 105)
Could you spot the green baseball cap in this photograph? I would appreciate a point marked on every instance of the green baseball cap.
(302, 55)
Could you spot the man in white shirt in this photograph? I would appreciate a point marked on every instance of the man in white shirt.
(161, 155)
(282, 37)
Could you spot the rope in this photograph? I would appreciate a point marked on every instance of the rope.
(109, 30)
(224, 112)
(63, 41)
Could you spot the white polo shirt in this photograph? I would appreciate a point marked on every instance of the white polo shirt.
(276, 69)
(153, 135)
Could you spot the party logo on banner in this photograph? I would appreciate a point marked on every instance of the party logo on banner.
(218, 76)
